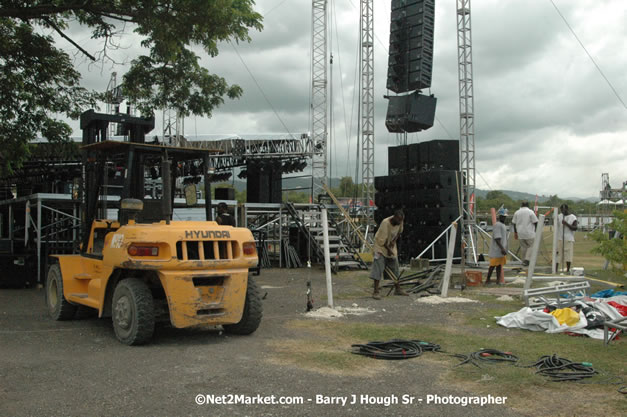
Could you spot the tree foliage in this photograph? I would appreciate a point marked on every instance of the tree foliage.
(38, 82)
(614, 250)
(497, 198)
(347, 188)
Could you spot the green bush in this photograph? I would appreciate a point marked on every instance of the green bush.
(614, 250)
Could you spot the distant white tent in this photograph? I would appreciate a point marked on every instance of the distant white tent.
(604, 202)
(620, 203)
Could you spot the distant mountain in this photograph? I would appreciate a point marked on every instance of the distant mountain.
(514, 195)
(240, 185)
(589, 199)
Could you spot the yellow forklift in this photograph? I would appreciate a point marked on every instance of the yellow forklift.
(144, 265)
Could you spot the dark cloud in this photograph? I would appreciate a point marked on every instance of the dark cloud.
(546, 121)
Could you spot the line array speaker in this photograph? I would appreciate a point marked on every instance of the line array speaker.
(410, 62)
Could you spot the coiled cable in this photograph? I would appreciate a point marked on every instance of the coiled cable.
(561, 369)
(394, 349)
(486, 355)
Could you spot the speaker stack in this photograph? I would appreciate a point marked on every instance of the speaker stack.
(423, 181)
(264, 182)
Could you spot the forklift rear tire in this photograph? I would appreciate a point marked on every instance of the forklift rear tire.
(133, 312)
(58, 307)
(251, 318)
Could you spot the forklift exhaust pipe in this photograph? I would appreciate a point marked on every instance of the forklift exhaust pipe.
(166, 199)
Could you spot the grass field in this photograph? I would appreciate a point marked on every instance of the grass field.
(475, 330)
(527, 390)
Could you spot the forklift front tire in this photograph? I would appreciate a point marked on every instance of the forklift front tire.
(58, 307)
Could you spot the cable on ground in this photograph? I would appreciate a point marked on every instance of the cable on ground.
(562, 369)
(394, 349)
(486, 355)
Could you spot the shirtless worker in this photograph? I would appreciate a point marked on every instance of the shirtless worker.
(385, 252)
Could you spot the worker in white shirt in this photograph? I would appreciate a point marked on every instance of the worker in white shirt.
(525, 222)
(566, 227)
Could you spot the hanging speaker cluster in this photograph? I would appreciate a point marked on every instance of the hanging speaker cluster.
(410, 66)
(410, 61)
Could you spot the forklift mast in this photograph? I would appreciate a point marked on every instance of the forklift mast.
(95, 128)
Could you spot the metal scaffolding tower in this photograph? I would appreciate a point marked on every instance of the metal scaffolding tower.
(113, 98)
(466, 128)
(367, 104)
(173, 126)
(319, 86)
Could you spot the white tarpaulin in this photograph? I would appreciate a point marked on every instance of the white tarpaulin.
(539, 321)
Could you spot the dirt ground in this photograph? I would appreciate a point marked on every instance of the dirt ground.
(78, 368)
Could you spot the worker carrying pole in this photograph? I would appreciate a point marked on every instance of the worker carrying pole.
(386, 253)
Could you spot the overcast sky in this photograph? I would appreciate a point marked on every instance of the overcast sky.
(546, 121)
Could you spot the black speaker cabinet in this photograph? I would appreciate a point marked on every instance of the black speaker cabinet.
(444, 154)
(410, 113)
(439, 179)
(397, 159)
(225, 193)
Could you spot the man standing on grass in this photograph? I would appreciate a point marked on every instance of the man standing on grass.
(385, 252)
(525, 223)
(566, 227)
(498, 247)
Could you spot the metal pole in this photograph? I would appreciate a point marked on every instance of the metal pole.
(208, 212)
(166, 177)
(534, 252)
(280, 238)
(105, 190)
(327, 257)
(74, 221)
(554, 249)
(38, 240)
(563, 241)
(26, 222)
(11, 221)
(450, 250)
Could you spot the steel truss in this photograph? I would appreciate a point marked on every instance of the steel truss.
(319, 90)
(367, 105)
(466, 128)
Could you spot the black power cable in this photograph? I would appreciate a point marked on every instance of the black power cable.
(562, 369)
(394, 349)
(486, 355)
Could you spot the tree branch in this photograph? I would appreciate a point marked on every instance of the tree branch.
(112, 16)
(37, 12)
(41, 11)
(55, 27)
